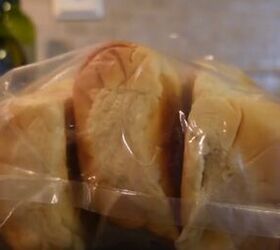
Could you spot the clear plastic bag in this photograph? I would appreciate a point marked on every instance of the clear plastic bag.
(117, 147)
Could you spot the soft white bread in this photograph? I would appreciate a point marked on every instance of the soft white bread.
(231, 150)
(127, 101)
(33, 145)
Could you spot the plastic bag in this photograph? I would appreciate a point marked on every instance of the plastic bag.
(117, 147)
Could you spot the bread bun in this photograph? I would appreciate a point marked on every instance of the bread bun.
(126, 101)
(33, 145)
(231, 146)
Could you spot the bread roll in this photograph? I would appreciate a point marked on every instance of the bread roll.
(127, 100)
(33, 145)
(231, 151)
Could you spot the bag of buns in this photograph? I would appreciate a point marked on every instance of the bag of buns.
(116, 146)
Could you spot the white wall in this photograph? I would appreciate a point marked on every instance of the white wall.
(244, 32)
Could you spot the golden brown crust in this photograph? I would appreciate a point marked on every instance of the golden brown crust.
(135, 94)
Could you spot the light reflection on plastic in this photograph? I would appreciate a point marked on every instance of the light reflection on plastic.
(126, 144)
(10, 213)
(201, 143)
(183, 120)
(192, 139)
(148, 163)
(29, 172)
(54, 199)
(25, 171)
(128, 192)
(191, 126)
(6, 83)
(240, 162)
(198, 134)
(173, 35)
(137, 73)
(209, 57)
(224, 127)
(3, 54)
(91, 179)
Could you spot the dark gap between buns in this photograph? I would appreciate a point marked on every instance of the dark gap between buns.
(71, 144)
(175, 112)
(4, 244)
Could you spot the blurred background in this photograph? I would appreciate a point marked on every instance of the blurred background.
(241, 32)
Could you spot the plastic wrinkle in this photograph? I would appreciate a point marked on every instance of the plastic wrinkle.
(196, 134)
(130, 151)
(183, 121)
(251, 220)
(9, 214)
(254, 220)
(125, 139)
